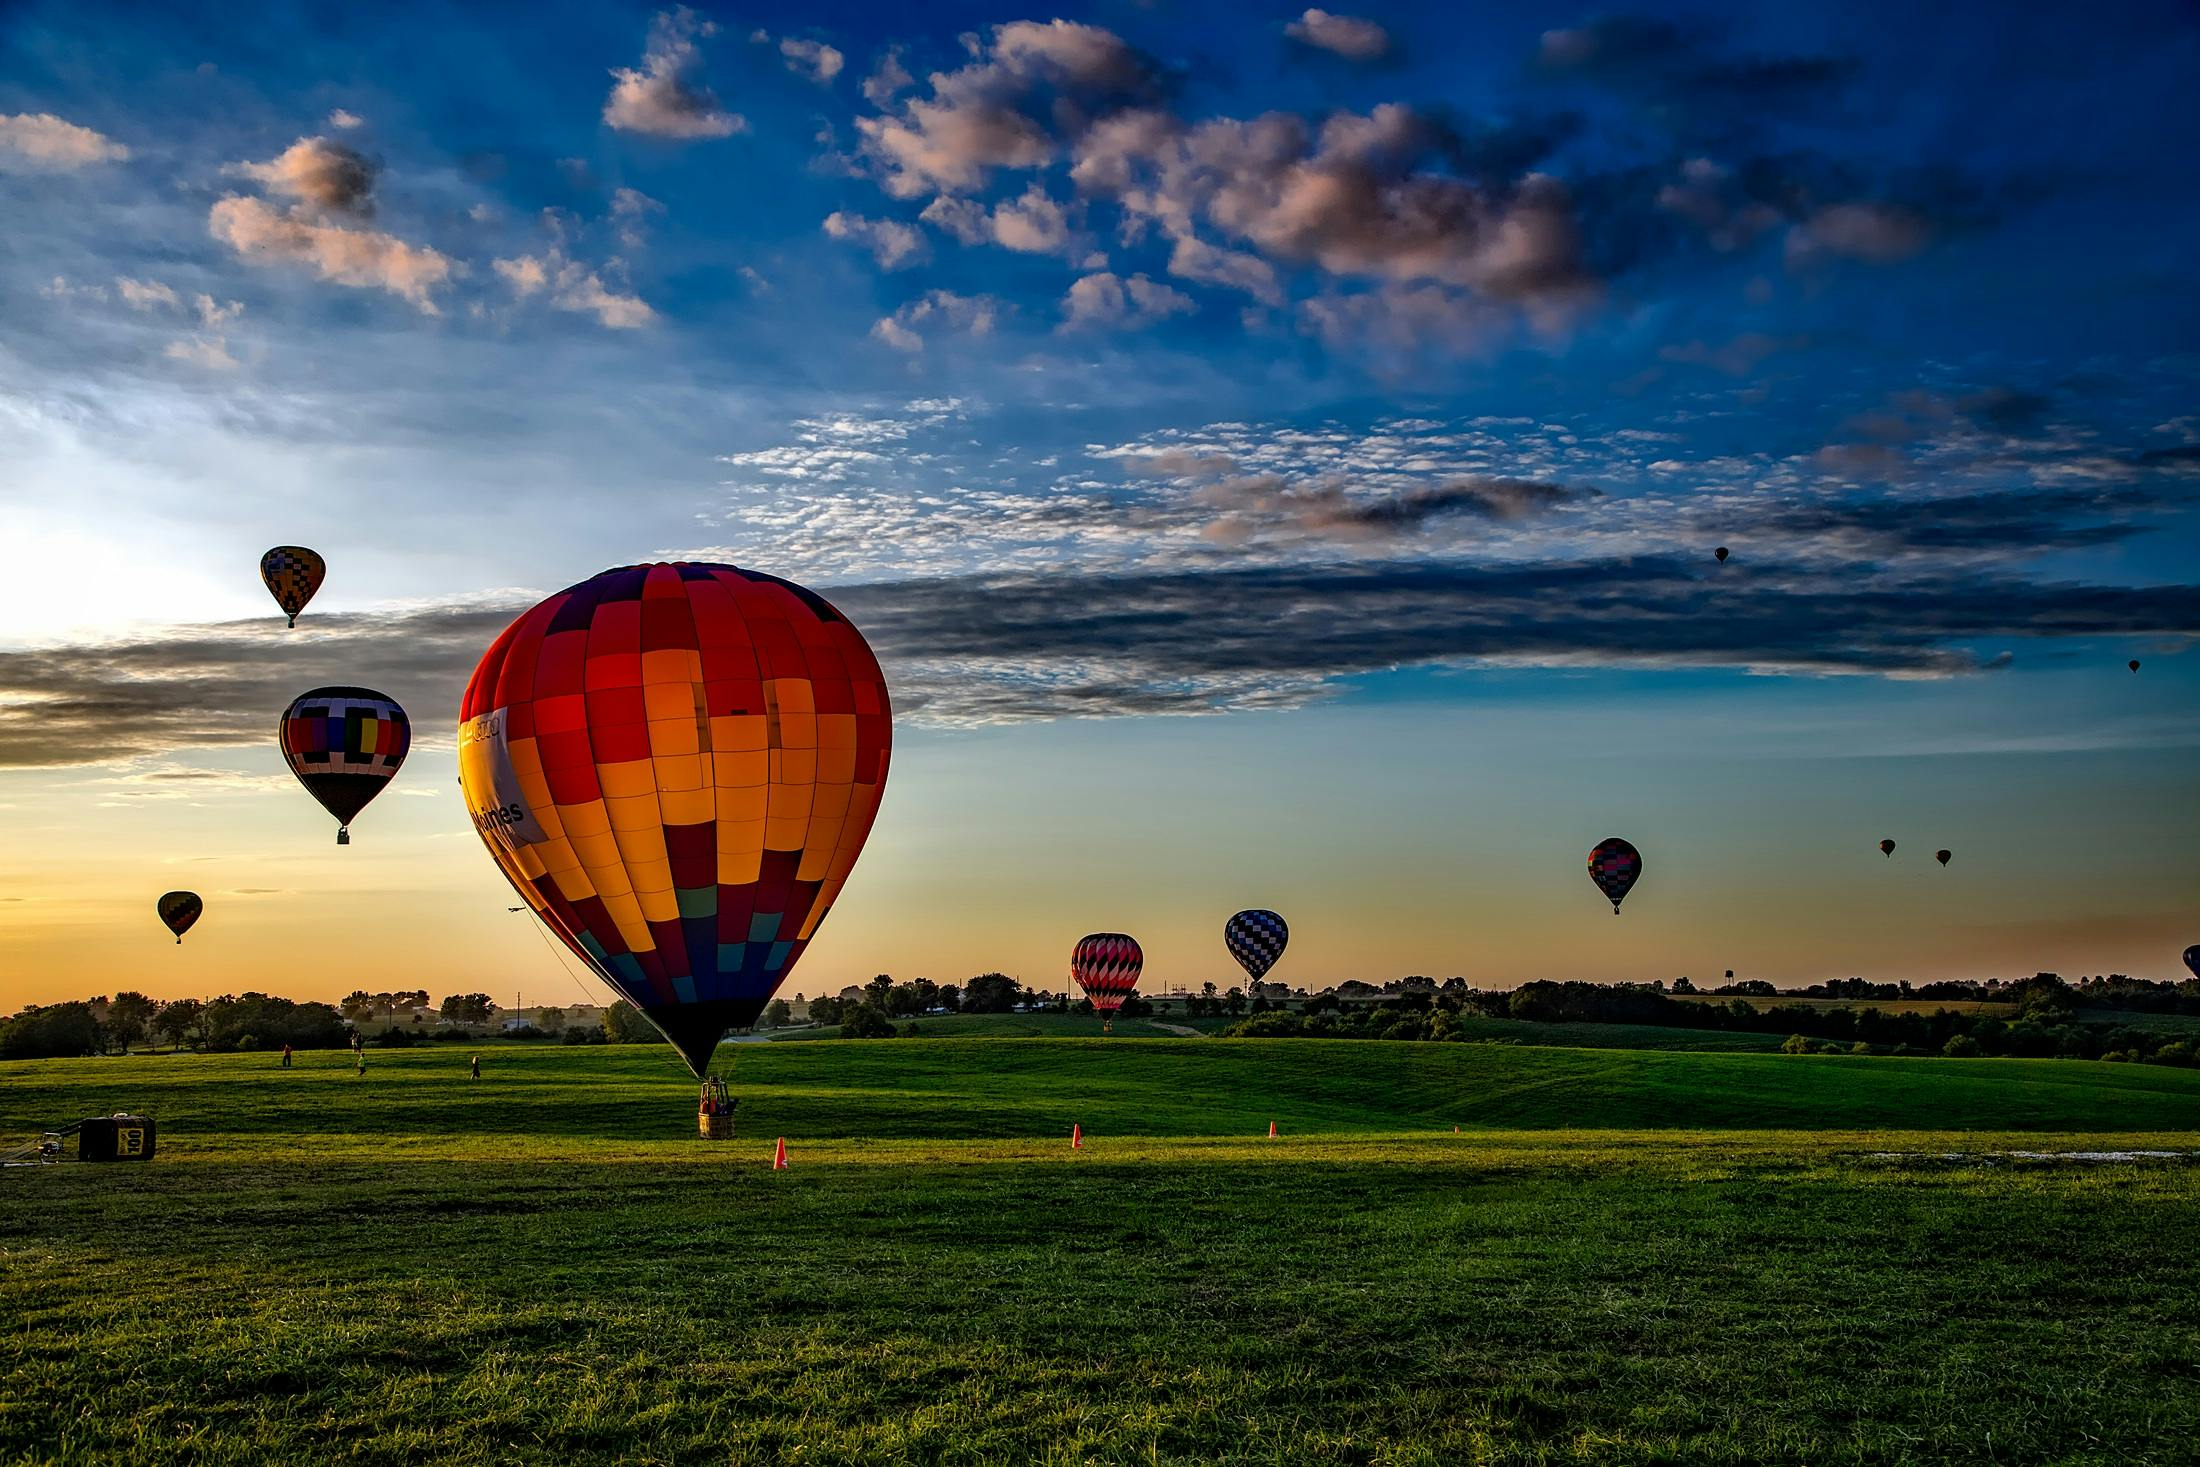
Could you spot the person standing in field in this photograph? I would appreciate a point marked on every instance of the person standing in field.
(475, 1063)
(286, 1056)
(362, 1053)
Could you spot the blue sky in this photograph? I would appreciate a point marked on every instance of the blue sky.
(1374, 386)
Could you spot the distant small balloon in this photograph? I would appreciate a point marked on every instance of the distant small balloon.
(1721, 554)
(2192, 959)
(1886, 848)
(1615, 866)
(292, 573)
(2133, 664)
(1944, 857)
(178, 910)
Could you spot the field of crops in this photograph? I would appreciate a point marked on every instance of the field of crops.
(1618, 1257)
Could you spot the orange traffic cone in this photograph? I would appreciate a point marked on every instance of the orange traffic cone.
(1271, 1130)
(1076, 1137)
(779, 1156)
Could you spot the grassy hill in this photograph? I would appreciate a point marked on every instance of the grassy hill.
(1623, 1257)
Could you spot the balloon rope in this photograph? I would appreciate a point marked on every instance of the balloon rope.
(535, 923)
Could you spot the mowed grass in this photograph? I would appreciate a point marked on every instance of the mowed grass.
(1171, 1026)
(1620, 1257)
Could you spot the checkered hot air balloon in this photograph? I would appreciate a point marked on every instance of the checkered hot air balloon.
(292, 573)
(178, 910)
(345, 745)
(1615, 866)
(1106, 965)
(1256, 938)
(676, 766)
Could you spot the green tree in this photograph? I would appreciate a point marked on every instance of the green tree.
(181, 1022)
(57, 1031)
(468, 1008)
(623, 1024)
(865, 1022)
(129, 1017)
(826, 1009)
(777, 1015)
(991, 993)
(1961, 1046)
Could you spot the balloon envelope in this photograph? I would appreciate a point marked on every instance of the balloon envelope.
(2192, 959)
(178, 910)
(2134, 664)
(1615, 866)
(1256, 938)
(1721, 554)
(1106, 965)
(345, 745)
(292, 573)
(676, 766)
(1944, 857)
(1886, 848)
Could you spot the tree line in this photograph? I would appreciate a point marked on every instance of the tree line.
(2047, 1020)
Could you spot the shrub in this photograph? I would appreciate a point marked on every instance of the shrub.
(864, 1022)
(1961, 1046)
(1862, 1046)
(2176, 1052)
(1796, 1044)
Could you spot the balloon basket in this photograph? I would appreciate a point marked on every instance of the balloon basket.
(343, 835)
(714, 1111)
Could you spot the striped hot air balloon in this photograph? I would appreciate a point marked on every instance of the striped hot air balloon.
(1106, 965)
(178, 910)
(676, 766)
(345, 745)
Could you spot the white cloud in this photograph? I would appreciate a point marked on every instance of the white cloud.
(362, 258)
(975, 314)
(43, 142)
(345, 121)
(892, 243)
(572, 286)
(1107, 299)
(1348, 36)
(318, 172)
(210, 352)
(662, 98)
(144, 295)
(813, 59)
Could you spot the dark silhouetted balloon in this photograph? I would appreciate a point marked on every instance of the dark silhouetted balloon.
(675, 766)
(1944, 857)
(1886, 848)
(1256, 938)
(179, 909)
(1721, 554)
(345, 744)
(2192, 959)
(1615, 866)
(2133, 664)
(293, 573)
(1106, 965)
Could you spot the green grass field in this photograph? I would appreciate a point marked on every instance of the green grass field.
(1641, 1257)
(1170, 1026)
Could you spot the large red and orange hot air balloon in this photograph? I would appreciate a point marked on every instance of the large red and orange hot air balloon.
(676, 766)
(1106, 965)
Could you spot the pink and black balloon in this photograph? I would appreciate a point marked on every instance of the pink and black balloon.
(1615, 866)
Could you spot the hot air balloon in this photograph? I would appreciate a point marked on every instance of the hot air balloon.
(1886, 848)
(1614, 866)
(2133, 664)
(1720, 553)
(293, 573)
(2192, 959)
(344, 744)
(179, 909)
(1256, 938)
(1106, 965)
(1944, 857)
(676, 766)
